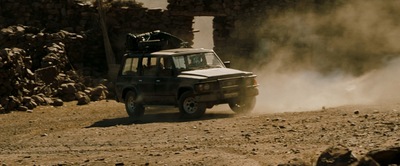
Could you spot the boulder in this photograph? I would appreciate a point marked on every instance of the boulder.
(38, 99)
(336, 156)
(48, 101)
(67, 91)
(47, 74)
(12, 103)
(22, 108)
(82, 98)
(68, 88)
(367, 161)
(2, 110)
(29, 103)
(390, 156)
(99, 93)
(58, 102)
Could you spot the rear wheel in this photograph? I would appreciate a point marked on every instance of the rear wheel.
(189, 107)
(134, 109)
(243, 105)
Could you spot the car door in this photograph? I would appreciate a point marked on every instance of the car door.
(166, 82)
(127, 76)
(146, 81)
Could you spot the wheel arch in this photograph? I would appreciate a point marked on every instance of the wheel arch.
(126, 90)
(183, 90)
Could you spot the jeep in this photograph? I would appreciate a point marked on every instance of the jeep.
(191, 79)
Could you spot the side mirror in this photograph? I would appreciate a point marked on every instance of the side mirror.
(227, 64)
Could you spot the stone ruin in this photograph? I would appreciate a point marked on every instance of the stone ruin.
(234, 21)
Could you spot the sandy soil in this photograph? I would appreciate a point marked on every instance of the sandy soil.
(102, 134)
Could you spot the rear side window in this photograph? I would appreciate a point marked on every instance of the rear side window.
(130, 66)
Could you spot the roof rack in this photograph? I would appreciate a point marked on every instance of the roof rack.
(153, 41)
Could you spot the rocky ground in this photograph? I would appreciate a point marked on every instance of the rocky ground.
(101, 134)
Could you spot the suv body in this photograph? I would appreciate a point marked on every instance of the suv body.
(188, 78)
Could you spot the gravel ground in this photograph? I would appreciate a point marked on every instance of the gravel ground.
(102, 134)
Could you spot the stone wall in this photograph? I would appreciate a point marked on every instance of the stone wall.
(82, 18)
(51, 15)
(234, 22)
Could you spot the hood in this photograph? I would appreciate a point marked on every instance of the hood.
(214, 73)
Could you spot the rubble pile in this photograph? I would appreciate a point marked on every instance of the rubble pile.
(35, 70)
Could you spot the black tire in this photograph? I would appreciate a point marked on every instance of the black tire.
(134, 109)
(243, 105)
(189, 107)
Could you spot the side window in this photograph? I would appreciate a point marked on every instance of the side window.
(179, 62)
(130, 66)
(149, 66)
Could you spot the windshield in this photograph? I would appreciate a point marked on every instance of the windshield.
(195, 61)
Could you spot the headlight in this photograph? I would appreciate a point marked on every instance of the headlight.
(251, 81)
(203, 87)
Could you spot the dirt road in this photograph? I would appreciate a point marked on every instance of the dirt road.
(101, 134)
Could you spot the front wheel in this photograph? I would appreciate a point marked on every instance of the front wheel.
(243, 105)
(189, 107)
(134, 109)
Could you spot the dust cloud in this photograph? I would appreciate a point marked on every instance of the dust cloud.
(345, 54)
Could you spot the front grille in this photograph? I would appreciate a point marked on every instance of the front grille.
(230, 85)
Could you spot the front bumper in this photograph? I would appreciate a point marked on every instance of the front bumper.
(220, 97)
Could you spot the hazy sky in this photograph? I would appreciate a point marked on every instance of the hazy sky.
(154, 3)
(203, 38)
